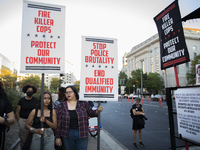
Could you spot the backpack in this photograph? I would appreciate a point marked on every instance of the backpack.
(131, 113)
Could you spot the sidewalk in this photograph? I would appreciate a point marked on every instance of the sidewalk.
(106, 143)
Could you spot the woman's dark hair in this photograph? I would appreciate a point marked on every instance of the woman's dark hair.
(51, 102)
(61, 93)
(74, 90)
(3, 94)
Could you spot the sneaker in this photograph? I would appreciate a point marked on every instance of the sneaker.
(141, 144)
(134, 145)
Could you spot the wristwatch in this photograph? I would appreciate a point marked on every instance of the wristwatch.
(6, 120)
(31, 129)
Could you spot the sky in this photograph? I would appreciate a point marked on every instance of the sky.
(129, 21)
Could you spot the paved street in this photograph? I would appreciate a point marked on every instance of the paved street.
(117, 122)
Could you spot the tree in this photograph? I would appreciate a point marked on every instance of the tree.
(191, 76)
(77, 86)
(54, 84)
(122, 80)
(8, 78)
(33, 80)
(154, 82)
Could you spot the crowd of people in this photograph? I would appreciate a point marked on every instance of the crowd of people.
(64, 123)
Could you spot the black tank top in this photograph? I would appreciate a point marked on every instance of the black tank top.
(36, 121)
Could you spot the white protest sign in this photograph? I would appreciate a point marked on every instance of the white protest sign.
(43, 37)
(188, 112)
(99, 69)
(198, 74)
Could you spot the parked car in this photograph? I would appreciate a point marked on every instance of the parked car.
(125, 95)
(132, 95)
(157, 96)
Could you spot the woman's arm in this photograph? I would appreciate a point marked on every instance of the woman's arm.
(10, 119)
(30, 120)
(138, 112)
(18, 111)
(53, 124)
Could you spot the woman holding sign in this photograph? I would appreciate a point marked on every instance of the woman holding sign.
(72, 116)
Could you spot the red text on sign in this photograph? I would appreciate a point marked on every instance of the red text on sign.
(99, 73)
(99, 52)
(42, 52)
(41, 44)
(99, 46)
(44, 14)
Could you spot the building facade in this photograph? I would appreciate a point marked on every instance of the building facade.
(146, 56)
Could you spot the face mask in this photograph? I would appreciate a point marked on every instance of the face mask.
(29, 94)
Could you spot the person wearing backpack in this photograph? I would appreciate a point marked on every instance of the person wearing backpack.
(138, 122)
(6, 114)
(25, 105)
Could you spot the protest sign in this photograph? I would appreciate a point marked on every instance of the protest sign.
(43, 37)
(198, 74)
(99, 69)
(173, 50)
(188, 110)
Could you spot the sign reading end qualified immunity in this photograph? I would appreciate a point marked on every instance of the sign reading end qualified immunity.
(188, 113)
(99, 71)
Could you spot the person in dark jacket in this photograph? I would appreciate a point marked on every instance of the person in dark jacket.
(6, 114)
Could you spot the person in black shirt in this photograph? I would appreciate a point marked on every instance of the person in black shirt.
(138, 113)
(50, 122)
(6, 114)
(24, 107)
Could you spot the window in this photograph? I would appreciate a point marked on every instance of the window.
(133, 66)
(187, 67)
(157, 57)
(194, 48)
(143, 66)
(156, 50)
(151, 59)
(152, 68)
(132, 60)
(136, 65)
(151, 52)
(195, 54)
(129, 62)
(157, 68)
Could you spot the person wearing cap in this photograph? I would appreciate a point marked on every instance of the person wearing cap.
(25, 105)
(61, 97)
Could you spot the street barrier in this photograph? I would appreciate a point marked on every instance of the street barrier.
(148, 98)
(160, 100)
(121, 98)
(128, 99)
(132, 99)
(142, 99)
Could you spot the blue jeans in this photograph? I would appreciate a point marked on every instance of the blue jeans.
(49, 140)
(73, 142)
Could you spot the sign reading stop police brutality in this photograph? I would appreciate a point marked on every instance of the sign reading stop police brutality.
(43, 36)
(99, 70)
(173, 50)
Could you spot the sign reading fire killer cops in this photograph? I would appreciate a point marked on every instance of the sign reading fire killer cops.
(99, 69)
(43, 36)
(173, 50)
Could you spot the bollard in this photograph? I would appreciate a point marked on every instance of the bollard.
(142, 99)
(132, 99)
(121, 98)
(148, 98)
(128, 99)
(160, 100)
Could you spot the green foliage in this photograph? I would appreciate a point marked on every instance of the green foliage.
(54, 84)
(154, 82)
(191, 76)
(14, 96)
(33, 80)
(77, 86)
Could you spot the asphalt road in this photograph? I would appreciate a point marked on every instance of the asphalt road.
(116, 120)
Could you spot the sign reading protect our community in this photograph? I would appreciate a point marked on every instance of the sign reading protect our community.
(43, 37)
(173, 50)
(188, 112)
(99, 69)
